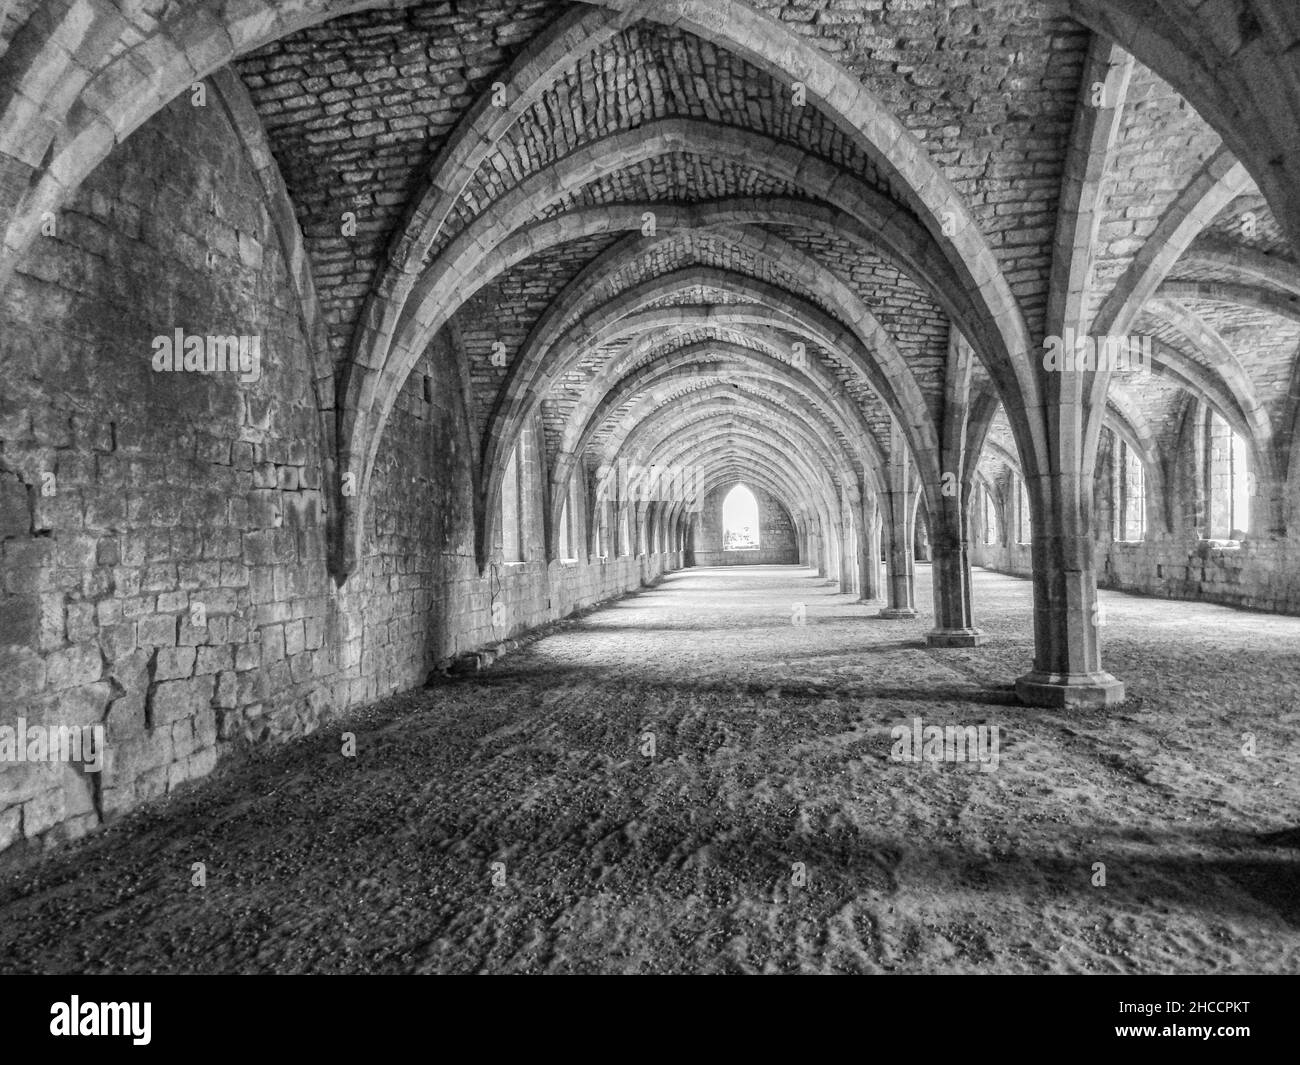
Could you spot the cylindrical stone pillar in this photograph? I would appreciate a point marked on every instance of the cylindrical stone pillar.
(954, 619)
(902, 571)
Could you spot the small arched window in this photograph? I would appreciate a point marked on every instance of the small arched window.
(511, 508)
(1130, 495)
(990, 512)
(1024, 523)
(566, 532)
(1227, 481)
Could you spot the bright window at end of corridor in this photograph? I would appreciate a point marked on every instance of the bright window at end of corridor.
(740, 520)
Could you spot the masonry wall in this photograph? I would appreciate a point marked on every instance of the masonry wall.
(1003, 553)
(1261, 572)
(163, 535)
(1255, 574)
(778, 543)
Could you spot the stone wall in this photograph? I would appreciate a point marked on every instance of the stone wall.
(1261, 572)
(1253, 574)
(163, 534)
(778, 544)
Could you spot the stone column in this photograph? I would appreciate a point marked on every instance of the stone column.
(954, 620)
(1059, 459)
(847, 557)
(898, 508)
(949, 516)
(902, 571)
(869, 550)
(831, 545)
(1067, 647)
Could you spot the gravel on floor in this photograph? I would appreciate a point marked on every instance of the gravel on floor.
(687, 781)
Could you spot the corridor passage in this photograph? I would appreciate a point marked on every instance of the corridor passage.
(687, 780)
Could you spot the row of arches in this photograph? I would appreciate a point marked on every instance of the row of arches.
(839, 318)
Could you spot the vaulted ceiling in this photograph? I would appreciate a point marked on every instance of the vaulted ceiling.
(749, 234)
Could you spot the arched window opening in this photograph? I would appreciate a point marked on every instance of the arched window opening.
(1024, 526)
(1130, 495)
(566, 532)
(740, 520)
(990, 515)
(511, 507)
(1227, 481)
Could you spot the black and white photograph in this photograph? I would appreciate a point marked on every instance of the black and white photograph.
(651, 487)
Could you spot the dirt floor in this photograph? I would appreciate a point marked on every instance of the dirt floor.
(768, 831)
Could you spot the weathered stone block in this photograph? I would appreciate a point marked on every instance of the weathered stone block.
(157, 630)
(177, 699)
(173, 663)
(73, 666)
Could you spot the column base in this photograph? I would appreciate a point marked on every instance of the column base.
(1071, 691)
(898, 613)
(955, 638)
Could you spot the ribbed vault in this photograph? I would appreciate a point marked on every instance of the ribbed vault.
(683, 235)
